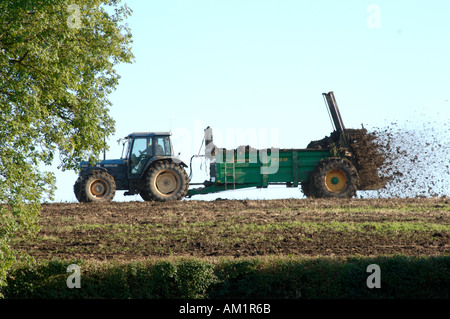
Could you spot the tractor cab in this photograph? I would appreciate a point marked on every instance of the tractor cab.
(141, 147)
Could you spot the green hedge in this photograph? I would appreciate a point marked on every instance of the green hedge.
(289, 277)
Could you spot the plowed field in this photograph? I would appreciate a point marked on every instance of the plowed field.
(240, 228)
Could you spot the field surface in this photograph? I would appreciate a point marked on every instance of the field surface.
(242, 228)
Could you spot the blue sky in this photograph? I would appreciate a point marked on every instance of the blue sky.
(262, 66)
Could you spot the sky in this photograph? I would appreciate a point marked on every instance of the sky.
(262, 66)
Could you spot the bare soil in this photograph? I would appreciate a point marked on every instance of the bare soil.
(240, 228)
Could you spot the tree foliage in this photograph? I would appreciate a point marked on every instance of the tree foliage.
(57, 67)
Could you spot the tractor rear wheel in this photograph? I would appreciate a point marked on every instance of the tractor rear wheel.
(146, 196)
(97, 186)
(334, 178)
(165, 181)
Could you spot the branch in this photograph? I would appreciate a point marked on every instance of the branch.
(20, 59)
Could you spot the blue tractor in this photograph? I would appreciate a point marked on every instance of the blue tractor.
(148, 168)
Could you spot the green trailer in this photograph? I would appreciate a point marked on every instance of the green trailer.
(319, 172)
(326, 168)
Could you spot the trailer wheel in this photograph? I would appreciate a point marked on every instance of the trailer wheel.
(97, 186)
(306, 189)
(165, 181)
(334, 178)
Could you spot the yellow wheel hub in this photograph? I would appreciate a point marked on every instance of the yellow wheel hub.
(99, 188)
(336, 181)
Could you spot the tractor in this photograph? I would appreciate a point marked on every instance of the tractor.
(148, 168)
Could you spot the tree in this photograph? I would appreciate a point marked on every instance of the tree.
(57, 67)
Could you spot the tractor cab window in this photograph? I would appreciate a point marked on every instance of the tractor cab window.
(141, 151)
(163, 147)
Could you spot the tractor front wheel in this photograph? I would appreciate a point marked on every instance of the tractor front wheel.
(97, 186)
(77, 189)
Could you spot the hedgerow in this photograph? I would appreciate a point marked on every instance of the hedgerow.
(276, 277)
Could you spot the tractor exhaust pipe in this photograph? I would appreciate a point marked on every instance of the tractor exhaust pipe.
(104, 148)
